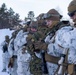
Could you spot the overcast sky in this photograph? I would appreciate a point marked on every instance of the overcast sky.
(38, 6)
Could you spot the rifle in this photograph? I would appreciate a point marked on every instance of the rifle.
(63, 63)
(44, 65)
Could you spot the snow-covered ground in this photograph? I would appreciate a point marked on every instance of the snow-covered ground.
(3, 32)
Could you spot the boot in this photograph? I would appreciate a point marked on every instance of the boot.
(4, 70)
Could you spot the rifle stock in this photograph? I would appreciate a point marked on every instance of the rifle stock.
(44, 65)
(63, 63)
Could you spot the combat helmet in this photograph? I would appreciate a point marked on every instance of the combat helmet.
(40, 19)
(53, 15)
(72, 8)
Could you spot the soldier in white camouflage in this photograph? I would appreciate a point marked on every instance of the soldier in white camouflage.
(54, 51)
(13, 55)
(68, 39)
(5, 55)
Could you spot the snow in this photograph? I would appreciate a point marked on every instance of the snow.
(3, 32)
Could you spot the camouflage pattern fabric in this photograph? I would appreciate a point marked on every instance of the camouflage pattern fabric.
(35, 66)
(44, 30)
(37, 41)
(40, 45)
(35, 44)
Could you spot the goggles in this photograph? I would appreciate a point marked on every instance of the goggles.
(51, 15)
(39, 18)
(71, 14)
